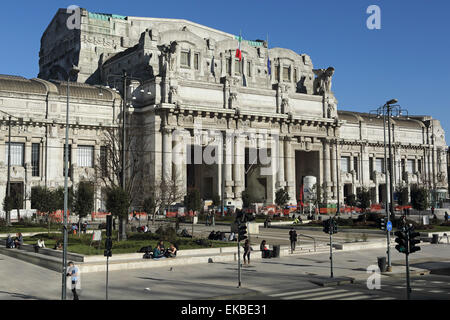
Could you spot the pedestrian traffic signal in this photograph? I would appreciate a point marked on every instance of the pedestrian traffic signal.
(107, 253)
(108, 247)
(326, 227)
(402, 246)
(242, 232)
(334, 223)
(383, 224)
(413, 241)
(109, 225)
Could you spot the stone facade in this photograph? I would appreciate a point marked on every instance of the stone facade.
(38, 126)
(254, 128)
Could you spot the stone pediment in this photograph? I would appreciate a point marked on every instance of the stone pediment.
(181, 36)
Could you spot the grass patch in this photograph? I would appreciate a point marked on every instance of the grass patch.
(434, 229)
(28, 227)
(82, 244)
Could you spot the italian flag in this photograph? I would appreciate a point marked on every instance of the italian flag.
(238, 50)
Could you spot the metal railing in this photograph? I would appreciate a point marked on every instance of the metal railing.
(314, 239)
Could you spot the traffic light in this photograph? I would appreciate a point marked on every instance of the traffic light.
(326, 226)
(239, 215)
(402, 246)
(383, 224)
(109, 226)
(242, 232)
(334, 223)
(108, 247)
(412, 241)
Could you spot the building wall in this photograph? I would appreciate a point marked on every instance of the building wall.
(178, 102)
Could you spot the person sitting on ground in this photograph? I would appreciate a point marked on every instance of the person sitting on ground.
(171, 252)
(58, 245)
(9, 242)
(157, 254)
(264, 251)
(161, 245)
(231, 237)
(40, 244)
(18, 241)
(218, 236)
(212, 235)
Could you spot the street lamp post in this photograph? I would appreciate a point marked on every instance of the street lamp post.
(387, 110)
(125, 79)
(72, 72)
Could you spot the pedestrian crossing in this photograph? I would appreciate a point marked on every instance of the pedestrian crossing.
(328, 293)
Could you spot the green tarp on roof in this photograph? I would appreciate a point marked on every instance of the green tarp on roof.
(105, 16)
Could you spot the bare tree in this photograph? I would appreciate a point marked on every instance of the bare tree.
(162, 195)
(108, 168)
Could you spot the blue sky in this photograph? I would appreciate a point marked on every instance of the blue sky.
(407, 59)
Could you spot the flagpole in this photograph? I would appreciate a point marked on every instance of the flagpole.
(268, 72)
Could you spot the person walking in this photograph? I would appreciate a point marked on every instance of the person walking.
(247, 250)
(293, 239)
(73, 272)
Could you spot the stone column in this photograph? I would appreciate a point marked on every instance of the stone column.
(239, 161)
(228, 167)
(334, 170)
(326, 168)
(288, 167)
(179, 162)
(167, 154)
(280, 162)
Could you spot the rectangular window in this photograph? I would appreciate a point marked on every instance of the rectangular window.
(379, 165)
(295, 76)
(35, 159)
(86, 156)
(237, 67)
(185, 59)
(277, 73)
(410, 166)
(16, 153)
(249, 69)
(286, 74)
(355, 166)
(196, 61)
(69, 160)
(104, 160)
(345, 164)
(419, 166)
(229, 66)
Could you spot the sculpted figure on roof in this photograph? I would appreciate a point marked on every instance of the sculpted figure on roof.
(322, 83)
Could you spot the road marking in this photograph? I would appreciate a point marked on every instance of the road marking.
(436, 291)
(301, 291)
(358, 298)
(385, 298)
(399, 287)
(335, 296)
(438, 282)
(148, 289)
(311, 295)
(418, 289)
